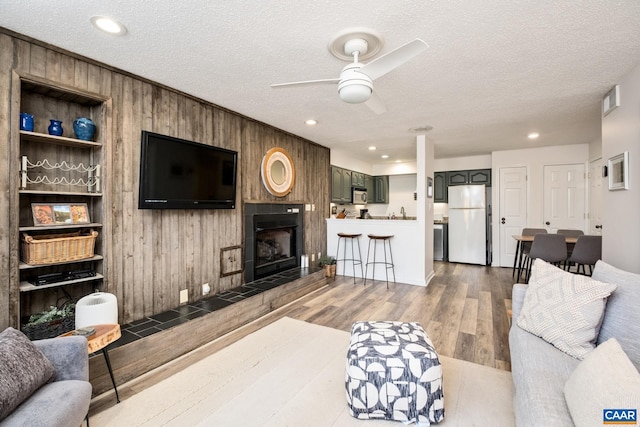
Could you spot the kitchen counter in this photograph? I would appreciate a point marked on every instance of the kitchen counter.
(404, 246)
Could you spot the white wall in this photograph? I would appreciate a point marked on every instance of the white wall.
(621, 224)
(424, 152)
(342, 159)
(534, 159)
(394, 168)
(463, 163)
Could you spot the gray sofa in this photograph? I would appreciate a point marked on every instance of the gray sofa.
(64, 401)
(540, 370)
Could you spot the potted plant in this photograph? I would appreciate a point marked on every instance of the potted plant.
(50, 323)
(329, 264)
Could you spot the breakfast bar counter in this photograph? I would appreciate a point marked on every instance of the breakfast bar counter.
(405, 247)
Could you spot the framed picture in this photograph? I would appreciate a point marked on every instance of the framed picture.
(42, 214)
(48, 214)
(429, 187)
(618, 171)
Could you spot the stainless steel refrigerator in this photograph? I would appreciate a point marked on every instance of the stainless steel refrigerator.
(467, 224)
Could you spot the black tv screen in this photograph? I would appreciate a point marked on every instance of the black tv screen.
(180, 174)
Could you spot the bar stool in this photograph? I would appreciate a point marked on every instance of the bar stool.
(354, 261)
(373, 238)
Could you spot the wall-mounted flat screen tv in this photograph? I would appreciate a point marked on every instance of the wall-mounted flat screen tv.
(180, 174)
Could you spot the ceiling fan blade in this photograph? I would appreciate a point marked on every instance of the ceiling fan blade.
(389, 61)
(375, 104)
(307, 83)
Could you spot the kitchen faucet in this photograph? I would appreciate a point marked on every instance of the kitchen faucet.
(404, 214)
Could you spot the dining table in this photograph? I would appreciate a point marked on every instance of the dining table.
(520, 239)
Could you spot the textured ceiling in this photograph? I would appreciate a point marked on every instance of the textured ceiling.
(495, 69)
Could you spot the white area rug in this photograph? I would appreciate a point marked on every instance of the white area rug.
(291, 373)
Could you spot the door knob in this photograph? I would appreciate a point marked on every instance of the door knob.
(598, 226)
(547, 223)
(502, 220)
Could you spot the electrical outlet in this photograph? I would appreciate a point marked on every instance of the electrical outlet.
(184, 296)
(307, 207)
(313, 257)
(206, 289)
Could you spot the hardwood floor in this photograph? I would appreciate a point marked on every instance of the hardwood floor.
(464, 311)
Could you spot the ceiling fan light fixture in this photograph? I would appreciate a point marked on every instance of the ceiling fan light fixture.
(355, 93)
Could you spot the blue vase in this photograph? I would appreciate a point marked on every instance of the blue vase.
(26, 122)
(84, 128)
(55, 128)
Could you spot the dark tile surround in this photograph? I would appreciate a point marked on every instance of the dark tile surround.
(159, 322)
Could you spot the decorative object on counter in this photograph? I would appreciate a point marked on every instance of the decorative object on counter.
(55, 127)
(277, 172)
(342, 214)
(26, 122)
(329, 265)
(84, 128)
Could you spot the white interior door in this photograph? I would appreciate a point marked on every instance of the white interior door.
(513, 211)
(564, 197)
(595, 197)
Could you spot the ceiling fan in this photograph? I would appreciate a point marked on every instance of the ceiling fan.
(355, 84)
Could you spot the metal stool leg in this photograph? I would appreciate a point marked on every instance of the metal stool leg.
(366, 270)
(338, 256)
(360, 257)
(353, 262)
(106, 358)
(393, 266)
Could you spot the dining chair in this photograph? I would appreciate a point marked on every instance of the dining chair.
(525, 247)
(588, 251)
(551, 248)
(570, 232)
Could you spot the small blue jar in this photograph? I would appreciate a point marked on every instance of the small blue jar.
(26, 122)
(84, 128)
(55, 128)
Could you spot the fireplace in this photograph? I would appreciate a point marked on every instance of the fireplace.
(273, 239)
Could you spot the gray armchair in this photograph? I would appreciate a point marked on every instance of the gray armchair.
(65, 401)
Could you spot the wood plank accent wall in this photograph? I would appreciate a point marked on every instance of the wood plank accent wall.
(150, 255)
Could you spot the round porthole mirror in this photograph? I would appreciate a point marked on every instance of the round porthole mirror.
(277, 172)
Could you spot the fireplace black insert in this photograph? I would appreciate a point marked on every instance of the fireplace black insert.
(273, 240)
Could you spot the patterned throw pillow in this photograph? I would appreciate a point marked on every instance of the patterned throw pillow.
(564, 309)
(23, 370)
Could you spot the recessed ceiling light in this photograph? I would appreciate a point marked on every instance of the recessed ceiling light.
(372, 148)
(385, 156)
(533, 135)
(311, 122)
(108, 25)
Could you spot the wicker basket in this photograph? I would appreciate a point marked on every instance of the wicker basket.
(53, 248)
(49, 330)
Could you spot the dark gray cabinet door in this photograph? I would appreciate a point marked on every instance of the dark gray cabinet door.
(336, 184)
(381, 189)
(480, 176)
(440, 187)
(457, 177)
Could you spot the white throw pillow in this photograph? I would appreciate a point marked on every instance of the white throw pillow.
(564, 309)
(605, 379)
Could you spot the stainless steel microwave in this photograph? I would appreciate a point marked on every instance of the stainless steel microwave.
(359, 196)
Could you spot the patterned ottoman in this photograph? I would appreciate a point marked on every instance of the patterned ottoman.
(393, 373)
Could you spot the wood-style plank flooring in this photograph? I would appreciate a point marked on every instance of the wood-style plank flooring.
(464, 311)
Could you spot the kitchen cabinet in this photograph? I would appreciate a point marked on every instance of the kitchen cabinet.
(380, 189)
(340, 185)
(440, 187)
(368, 184)
(357, 179)
(476, 176)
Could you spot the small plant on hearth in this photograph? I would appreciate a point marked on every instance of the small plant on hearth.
(326, 260)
